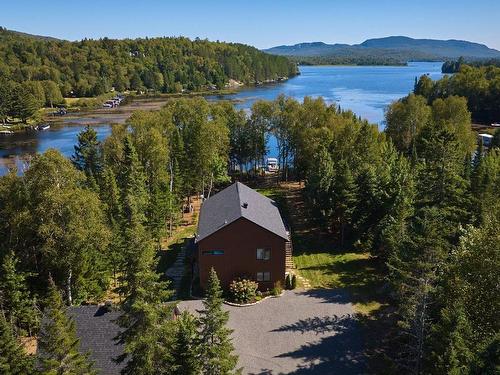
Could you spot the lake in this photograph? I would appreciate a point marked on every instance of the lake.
(366, 90)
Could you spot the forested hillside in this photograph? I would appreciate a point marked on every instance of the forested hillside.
(395, 50)
(92, 67)
(480, 85)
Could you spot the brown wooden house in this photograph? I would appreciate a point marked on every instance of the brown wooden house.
(242, 234)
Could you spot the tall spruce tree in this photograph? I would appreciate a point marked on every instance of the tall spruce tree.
(217, 351)
(13, 359)
(88, 155)
(344, 198)
(145, 319)
(414, 271)
(15, 300)
(185, 351)
(59, 346)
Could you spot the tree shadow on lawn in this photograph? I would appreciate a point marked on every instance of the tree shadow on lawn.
(358, 344)
(361, 277)
(340, 353)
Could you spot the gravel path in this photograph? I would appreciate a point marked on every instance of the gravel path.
(302, 332)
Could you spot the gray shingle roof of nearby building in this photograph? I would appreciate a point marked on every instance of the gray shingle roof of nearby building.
(237, 201)
(97, 330)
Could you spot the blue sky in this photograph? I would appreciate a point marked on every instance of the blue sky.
(258, 22)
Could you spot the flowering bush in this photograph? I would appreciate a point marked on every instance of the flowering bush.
(243, 291)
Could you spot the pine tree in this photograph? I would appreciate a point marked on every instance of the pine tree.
(88, 156)
(344, 193)
(452, 339)
(59, 346)
(414, 270)
(133, 185)
(13, 360)
(15, 300)
(217, 356)
(145, 317)
(110, 196)
(185, 353)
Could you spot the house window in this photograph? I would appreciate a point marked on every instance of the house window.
(213, 252)
(263, 254)
(263, 276)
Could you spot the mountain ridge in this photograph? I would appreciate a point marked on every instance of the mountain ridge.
(397, 47)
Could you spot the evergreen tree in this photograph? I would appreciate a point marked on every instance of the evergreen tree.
(216, 348)
(344, 197)
(133, 186)
(145, 320)
(24, 103)
(13, 360)
(59, 346)
(185, 352)
(319, 181)
(87, 156)
(15, 300)
(110, 196)
(414, 270)
(7, 89)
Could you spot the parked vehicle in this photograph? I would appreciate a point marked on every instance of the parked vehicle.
(272, 164)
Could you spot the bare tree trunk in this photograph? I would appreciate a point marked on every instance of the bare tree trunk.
(68, 287)
(211, 184)
(171, 167)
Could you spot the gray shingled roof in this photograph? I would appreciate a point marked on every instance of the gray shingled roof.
(229, 205)
(97, 330)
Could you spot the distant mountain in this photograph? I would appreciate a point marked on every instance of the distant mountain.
(395, 48)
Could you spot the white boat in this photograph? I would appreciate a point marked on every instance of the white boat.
(6, 132)
(43, 127)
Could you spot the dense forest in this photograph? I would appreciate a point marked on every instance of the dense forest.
(453, 66)
(349, 60)
(420, 196)
(479, 85)
(72, 230)
(92, 67)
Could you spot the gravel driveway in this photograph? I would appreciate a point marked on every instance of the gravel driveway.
(302, 332)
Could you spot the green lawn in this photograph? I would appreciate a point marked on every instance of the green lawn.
(327, 270)
(356, 272)
(322, 262)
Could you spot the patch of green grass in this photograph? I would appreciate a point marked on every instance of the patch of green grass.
(327, 270)
(358, 273)
(369, 307)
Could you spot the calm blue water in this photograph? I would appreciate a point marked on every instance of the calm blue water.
(366, 90)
